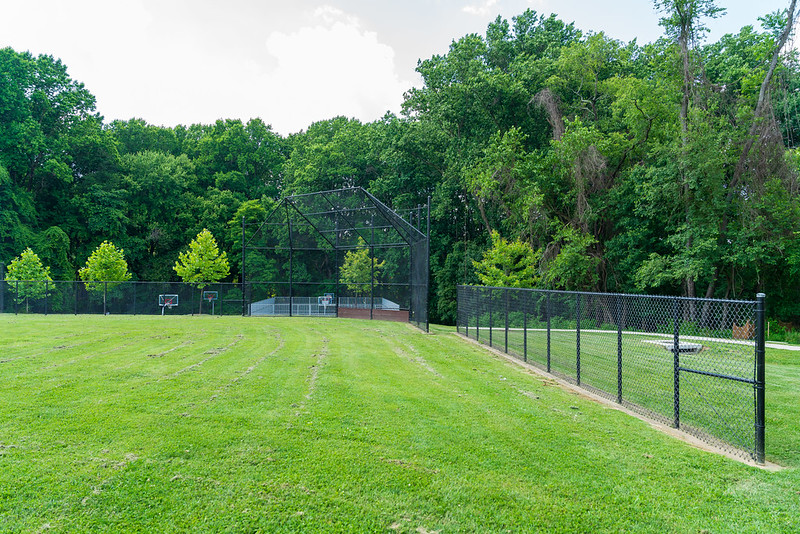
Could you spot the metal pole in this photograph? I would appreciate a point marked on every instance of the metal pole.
(134, 297)
(491, 321)
(45, 297)
(427, 265)
(105, 296)
(619, 348)
(338, 270)
(291, 266)
(760, 377)
(75, 295)
(477, 314)
(505, 297)
(16, 298)
(2, 287)
(525, 328)
(244, 307)
(547, 313)
(676, 315)
(578, 337)
(372, 266)
(466, 310)
(459, 309)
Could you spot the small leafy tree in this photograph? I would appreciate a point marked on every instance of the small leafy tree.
(105, 269)
(508, 264)
(203, 263)
(29, 276)
(574, 268)
(356, 270)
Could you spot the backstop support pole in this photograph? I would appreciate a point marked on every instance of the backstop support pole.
(244, 306)
(372, 267)
(428, 267)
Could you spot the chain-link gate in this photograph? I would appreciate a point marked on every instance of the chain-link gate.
(694, 364)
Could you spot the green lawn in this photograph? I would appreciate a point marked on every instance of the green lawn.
(209, 424)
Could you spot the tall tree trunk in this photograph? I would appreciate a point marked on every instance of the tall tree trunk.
(761, 104)
(683, 45)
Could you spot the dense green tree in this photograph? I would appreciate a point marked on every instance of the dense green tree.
(509, 264)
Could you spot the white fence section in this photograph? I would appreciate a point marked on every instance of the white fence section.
(314, 307)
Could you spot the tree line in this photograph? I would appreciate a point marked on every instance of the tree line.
(667, 167)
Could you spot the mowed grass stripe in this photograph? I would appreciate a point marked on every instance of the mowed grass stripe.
(345, 425)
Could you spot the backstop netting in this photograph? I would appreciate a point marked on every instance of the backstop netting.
(337, 253)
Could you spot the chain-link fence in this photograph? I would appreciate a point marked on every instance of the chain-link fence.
(132, 298)
(178, 298)
(694, 364)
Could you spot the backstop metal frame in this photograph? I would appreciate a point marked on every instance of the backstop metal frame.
(299, 249)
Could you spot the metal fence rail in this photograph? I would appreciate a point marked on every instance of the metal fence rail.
(694, 364)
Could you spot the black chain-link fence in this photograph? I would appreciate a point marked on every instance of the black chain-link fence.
(694, 364)
(178, 298)
(131, 298)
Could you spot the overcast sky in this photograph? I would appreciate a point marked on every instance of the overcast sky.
(290, 62)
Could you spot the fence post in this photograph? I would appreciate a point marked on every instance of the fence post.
(372, 266)
(134, 297)
(463, 291)
(75, 295)
(547, 313)
(45, 297)
(478, 314)
(619, 348)
(16, 298)
(491, 320)
(105, 297)
(676, 315)
(244, 246)
(760, 378)
(578, 337)
(458, 309)
(505, 297)
(525, 326)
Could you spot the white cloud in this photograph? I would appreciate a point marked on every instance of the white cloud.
(481, 9)
(334, 67)
(144, 59)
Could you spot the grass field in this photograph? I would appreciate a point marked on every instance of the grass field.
(209, 424)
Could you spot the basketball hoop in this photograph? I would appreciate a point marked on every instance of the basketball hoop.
(167, 301)
(212, 297)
